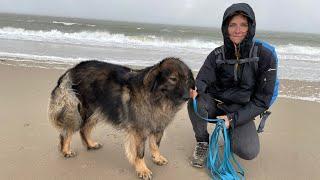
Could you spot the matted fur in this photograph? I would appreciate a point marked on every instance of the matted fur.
(63, 106)
(141, 102)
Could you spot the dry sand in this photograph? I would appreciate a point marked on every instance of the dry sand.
(290, 145)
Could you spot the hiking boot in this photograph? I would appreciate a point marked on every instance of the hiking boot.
(200, 154)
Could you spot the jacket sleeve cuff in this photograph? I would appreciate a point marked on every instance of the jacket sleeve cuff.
(201, 86)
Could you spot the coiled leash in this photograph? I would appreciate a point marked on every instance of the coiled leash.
(220, 166)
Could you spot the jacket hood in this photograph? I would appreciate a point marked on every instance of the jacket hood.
(246, 10)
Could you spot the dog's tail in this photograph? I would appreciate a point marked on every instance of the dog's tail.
(64, 106)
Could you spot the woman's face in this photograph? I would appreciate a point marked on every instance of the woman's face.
(238, 28)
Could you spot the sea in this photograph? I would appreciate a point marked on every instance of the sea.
(62, 42)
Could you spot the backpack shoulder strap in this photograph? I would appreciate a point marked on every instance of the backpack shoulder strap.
(219, 52)
(254, 51)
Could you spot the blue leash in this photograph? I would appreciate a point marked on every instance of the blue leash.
(221, 167)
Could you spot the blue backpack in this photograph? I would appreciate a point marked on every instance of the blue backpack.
(276, 87)
(264, 115)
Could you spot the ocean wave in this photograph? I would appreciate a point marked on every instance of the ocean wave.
(299, 57)
(70, 23)
(21, 57)
(165, 30)
(103, 38)
(33, 57)
(296, 50)
(65, 23)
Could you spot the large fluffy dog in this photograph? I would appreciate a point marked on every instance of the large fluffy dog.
(142, 102)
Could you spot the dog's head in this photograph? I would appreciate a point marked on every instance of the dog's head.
(171, 78)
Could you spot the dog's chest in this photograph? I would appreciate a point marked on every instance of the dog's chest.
(153, 117)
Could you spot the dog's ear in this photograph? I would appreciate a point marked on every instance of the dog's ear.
(150, 80)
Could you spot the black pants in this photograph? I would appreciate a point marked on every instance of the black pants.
(244, 138)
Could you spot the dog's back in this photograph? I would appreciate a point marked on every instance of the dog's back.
(75, 98)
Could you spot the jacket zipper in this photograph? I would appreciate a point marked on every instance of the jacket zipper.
(236, 66)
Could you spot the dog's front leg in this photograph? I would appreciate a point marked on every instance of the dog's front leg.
(154, 144)
(135, 146)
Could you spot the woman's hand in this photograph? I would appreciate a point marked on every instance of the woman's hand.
(193, 93)
(226, 120)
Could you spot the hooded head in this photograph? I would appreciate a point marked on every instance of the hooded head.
(245, 10)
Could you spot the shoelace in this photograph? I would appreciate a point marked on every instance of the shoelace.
(201, 150)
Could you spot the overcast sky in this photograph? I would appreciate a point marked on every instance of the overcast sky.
(277, 15)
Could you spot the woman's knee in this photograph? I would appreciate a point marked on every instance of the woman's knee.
(248, 153)
(245, 141)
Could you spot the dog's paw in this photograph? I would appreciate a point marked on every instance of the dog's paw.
(95, 147)
(145, 174)
(159, 160)
(69, 154)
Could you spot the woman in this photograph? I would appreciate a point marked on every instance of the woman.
(236, 83)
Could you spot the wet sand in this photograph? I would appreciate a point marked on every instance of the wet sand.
(290, 147)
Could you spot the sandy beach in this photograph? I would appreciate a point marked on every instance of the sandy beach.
(290, 147)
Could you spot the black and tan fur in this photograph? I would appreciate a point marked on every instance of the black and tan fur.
(141, 102)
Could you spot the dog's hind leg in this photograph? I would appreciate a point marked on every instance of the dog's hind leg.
(64, 113)
(85, 133)
(65, 143)
(154, 143)
(135, 145)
